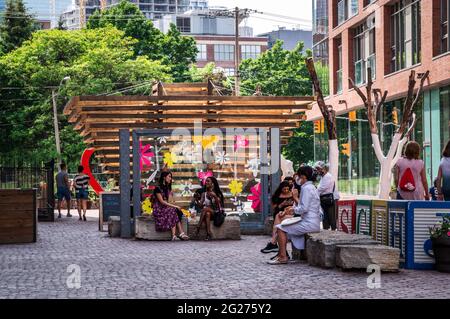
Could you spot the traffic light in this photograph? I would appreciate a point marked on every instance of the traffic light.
(352, 116)
(317, 127)
(346, 149)
(395, 116)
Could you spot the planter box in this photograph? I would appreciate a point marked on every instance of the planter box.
(18, 216)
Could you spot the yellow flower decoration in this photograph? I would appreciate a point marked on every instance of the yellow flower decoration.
(186, 213)
(235, 187)
(147, 207)
(207, 142)
(169, 159)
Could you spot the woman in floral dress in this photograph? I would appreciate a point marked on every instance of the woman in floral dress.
(167, 216)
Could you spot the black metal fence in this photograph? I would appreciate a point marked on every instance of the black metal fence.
(32, 175)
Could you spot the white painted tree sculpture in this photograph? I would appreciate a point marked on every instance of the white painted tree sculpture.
(329, 116)
(387, 162)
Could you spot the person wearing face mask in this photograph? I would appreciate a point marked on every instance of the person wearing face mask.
(328, 195)
(309, 210)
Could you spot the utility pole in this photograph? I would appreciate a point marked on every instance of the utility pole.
(238, 15)
(237, 88)
(55, 122)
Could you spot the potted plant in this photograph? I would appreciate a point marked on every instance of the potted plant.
(440, 239)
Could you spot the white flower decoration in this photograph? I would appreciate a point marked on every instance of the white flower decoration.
(162, 139)
(253, 165)
(186, 189)
(222, 158)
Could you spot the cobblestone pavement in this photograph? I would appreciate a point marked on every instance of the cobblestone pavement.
(120, 268)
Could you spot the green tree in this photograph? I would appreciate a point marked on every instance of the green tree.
(97, 61)
(282, 72)
(174, 50)
(16, 26)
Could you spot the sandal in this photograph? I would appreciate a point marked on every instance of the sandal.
(183, 236)
(208, 237)
(277, 261)
(175, 238)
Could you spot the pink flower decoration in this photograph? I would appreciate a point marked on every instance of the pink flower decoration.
(448, 234)
(255, 197)
(240, 141)
(145, 155)
(204, 175)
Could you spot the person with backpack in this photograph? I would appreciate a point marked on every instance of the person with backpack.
(410, 175)
(443, 178)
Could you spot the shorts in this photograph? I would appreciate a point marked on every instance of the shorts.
(63, 192)
(81, 194)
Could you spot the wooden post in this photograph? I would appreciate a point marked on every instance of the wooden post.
(125, 220)
(136, 176)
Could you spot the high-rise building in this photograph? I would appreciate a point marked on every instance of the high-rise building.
(44, 11)
(152, 9)
(392, 37)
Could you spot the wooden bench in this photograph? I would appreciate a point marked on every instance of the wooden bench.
(230, 229)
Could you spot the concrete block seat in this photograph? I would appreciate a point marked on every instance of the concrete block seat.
(145, 229)
(230, 229)
(329, 249)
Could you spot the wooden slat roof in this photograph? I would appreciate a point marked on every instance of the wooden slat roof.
(99, 118)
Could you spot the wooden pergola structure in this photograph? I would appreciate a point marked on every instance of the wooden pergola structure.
(99, 118)
(111, 124)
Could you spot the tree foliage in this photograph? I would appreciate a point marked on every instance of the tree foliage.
(282, 72)
(97, 61)
(16, 26)
(174, 50)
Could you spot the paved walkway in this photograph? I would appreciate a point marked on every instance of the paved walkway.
(119, 268)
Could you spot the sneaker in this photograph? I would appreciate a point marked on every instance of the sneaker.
(80, 218)
(84, 218)
(59, 215)
(68, 215)
(270, 248)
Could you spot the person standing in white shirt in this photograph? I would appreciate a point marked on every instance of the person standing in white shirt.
(328, 195)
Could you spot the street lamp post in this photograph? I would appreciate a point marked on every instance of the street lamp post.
(55, 119)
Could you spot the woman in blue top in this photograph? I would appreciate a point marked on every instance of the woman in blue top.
(308, 208)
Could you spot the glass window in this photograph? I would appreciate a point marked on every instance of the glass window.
(445, 115)
(339, 71)
(364, 50)
(320, 20)
(445, 26)
(320, 55)
(224, 52)
(405, 34)
(346, 9)
(250, 51)
(202, 54)
(184, 24)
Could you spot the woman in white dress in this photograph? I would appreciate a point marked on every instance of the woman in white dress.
(308, 208)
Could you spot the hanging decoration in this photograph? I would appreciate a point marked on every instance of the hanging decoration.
(147, 208)
(187, 189)
(222, 158)
(255, 197)
(207, 142)
(162, 139)
(169, 159)
(253, 166)
(85, 161)
(145, 156)
(204, 175)
(240, 142)
(235, 187)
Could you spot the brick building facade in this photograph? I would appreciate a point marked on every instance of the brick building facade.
(392, 37)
